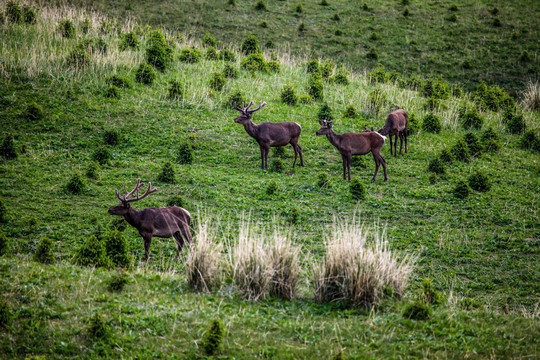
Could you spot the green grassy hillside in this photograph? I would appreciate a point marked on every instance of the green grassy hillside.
(58, 104)
(464, 41)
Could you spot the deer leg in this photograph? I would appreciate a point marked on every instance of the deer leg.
(147, 242)
(262, 157)
(405, 136)
(377, 164)
(301, 157)
(390, 137)
(295, 154)
(348, 157)
(379, 160)
(344, 167)
(400, 142)
(179, 243)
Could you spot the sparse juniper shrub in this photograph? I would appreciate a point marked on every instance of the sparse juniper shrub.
(145, 74)
(350, 112)
(288, 95)
(44, 253)
(460, 150)
(479, 182)
(323, 181)
(326, 69)
(340, 78)
(254, 62)
(29, 15)
(7, 148)
(260, 5)
(75, 184)
(467, 64)
(515, 123)
(158, 53)
(6, 315)
(111, 137)
(92, 170)
(272, 188)
(176, 200)
(34, 111)
(236, 98)
(358, 192)
(184, 154)
(525, 57)
(190, 55)
(413, 126)
(79, 56)
(436, 166)
(494, 11)
(67, 29)
(416, 311)
(112, 92)
(250, 45)
(372, 54)
(274, 66)
(102, 155)
(429, 295)
(336, 17)
(118, 281)
(4, 244)
(93, 253)
(301, 27)
(492, 98)
(211, 53)
(471, 119)
(263, 24)
(232, 2)
(167, 174)
(119, 81)
(209, 40)
(490, 140)
(451, 18)
(324, 3)
(315, 86)
(446, 156)
(358, 161)
(497, 22)
(278, 151)
(312, 66)
(14, 12)
(299, 9)
(305, 99)
(432, 124)
(277, 165)
(129, 40)
(473, 143)
(217, 81)
(176, 91)
(461, 190)
(227, 55)
(85, 25)
(117, 248)
(436, 88)
(325, 112)
(213, 338)
(378, 75)
(406, 12)
(453, 7)
(98, 328)
(530, 141)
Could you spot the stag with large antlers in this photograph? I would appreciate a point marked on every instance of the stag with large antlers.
(396, 124)
(270, 134)
(161, 222)
(350, 144)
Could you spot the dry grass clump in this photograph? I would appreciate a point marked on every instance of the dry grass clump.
(357, 272)
(531, 96)
(285, 267)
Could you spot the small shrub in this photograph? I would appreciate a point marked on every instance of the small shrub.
(274, 66)
(492, 98)
(413, 126)
(305, 99)
(209, 40)
(436, 166)
(98, 328)
(326, 69)
(227, 55)
(340, 78)
(6, 315)
(406, 12)
(446, 156)
(211, 53)
(429, 295)
(14, 12)
(324, 3)
(338, 32)
(497, 22)
(254, 62)
(44, 253)
(515, 123)
(494, 11)
(129, 40)
(7, 149)
(378, 75)
(432, 124)
(29, 15)
(490, 140)
(315, 86)
(112, 92)
(473, 143)
(93, 253)
(284, 268)
(461, 190)
(184, 154)
(357, 189)
(312, 66)
(102, 155)
(145, 74)
(176, 200)
(167, 174)
(525, 57)
(260, 6)
(176, 91)
(34, 111)
(213, 338)
(190, 55)
(416, 311)
(250, 45)
(236, 98)
(460, 151)
(358, 161)
(299, 9)
(325, 112)
(111, 137)
(158, 53)
(437, 89)
(336, 17)
(263, 24)
(117, 248)
(277, 166)
(453, 7)
(75, 184)
(323, 181)
(288, 95)
(217, 81)
(350, 112)
(301, 27)
(451, 18)
(278, 151)
(471, 119)
(530, 141)
(92, 170)
(67, 29)
(79, 56)
(372, 54)
(4, 244)
(118, 281)
(119, 81)
(272, 188)
(479, 182)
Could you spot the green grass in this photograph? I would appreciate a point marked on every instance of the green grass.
(482, 250)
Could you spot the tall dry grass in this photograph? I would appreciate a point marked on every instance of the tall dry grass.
(531, 96)
(285, 266)
(357, 271)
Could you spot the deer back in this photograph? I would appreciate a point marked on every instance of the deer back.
(278, 134)
(360, 143)
(162, 222)
(395, 121)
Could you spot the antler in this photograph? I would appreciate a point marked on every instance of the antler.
(261, 105)
(126, 199)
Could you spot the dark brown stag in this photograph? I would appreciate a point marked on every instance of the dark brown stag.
(396, 124)
(350, 144)
(161, 222)
(270, 134)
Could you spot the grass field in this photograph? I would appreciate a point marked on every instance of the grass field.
(481, 251)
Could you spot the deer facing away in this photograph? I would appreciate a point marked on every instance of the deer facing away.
(270, 134)
(396, 124)
(161, 222)
(349, 144)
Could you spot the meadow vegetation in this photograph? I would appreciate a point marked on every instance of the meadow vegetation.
(440, 261)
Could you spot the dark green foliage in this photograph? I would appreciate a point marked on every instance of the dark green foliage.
(176, 91)
(446, 156)
(432, 124)
(372, 54)
(358, 161)
(190, 55)
(326, 69)
(250, 45)
(129, 40)
(323, 181)
(34, 111)
(44, 253)
(236, 98)
(176, 200)
(119, 81)
(93, 253)
(272, 188)
(437, 89)
(312, 66)
(340, 78)
(111, 137)
(98, 328)
(79, 56)
(299, 9)
(85, 25)
(378, 75)
(470, 118)
(324, 3)
(453, 7)
(350, 112)
(102, 155)
(460, 151)
(158, 53)
(436, 166)
(29, 15)
(209, 40)
(3, 211)
(479, 182)
(325, 112)
(530, 141)
(305, 99)
(277, 166)
(338, 32)
(429, 295)
(263, 24)
(167, 174)
(357, 189)
(288, 95)
(227, 55)
(515, 123)
(112, 92)
(6, 315)
(406, 12)
(118, 281)
(336, 17)
(254, 62)
(92, 170)
(467, 64)
(451, 18)
(473, 143)
(301, 27)
(184, 154)
(7, 149)
(494, 11)
(294, 216)
(4, 240)
(490, 140)
(492, 98)
(231, 2)
(260, 5)
(416, 311)
(145, 74)
(117, 248)
(67, 29)
(211, 53)
(315, 86)
(278, 151)
(497, 22)
(525, 57)
(14, 13)
(461, 190)
(213, 338)
(75, 184)
(217, 81)
(274, 66)
(413, 126)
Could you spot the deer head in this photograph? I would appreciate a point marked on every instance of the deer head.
(326, 127)
(123, 208)
(245, 113)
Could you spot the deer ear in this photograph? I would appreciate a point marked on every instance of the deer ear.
(329, 123)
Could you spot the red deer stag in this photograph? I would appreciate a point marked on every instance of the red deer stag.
(350, 144)
(270, 134)
(396, 124)
(161, 222)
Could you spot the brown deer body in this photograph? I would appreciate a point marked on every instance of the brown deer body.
(270, 134)
(166, 222)
(349, 144)
(396, 124)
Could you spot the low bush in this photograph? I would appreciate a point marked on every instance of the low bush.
(315, 86)
(357, 189)
(98, 328)
(446, 156)
(417, 311)
(230, 71)
(288, 95)
(129, 40)
(515, 123)
(530, 141)
(323, 181)
(167, 174)
(325, 112)
(461, 190)
(250, 45)
(350, 112)
(301, 27)
(217, 81)
(44, 253)
(29, 15)
(274, 66)
(190, 55)
(470, 118)
(340, 78)
(5, 244)
(209, 40)
(277, 166)
(92, 170)
(7, 148)
(326, 69)
(255, 62)
(312, 66)
(158, 52)
(413, 126)
(437, 89)
(145, 74)
(436, 166)
(490, 140)
(428, 294)
(236, 98)
(117, 248)
(75, 184)
(79, 56)
(119, 81)
(479, 182)
(67, 29)
(211, 54)
(492, 98)
(118, 281)
(176, 200)
(460, 151)
(213, 338)
(227, 55)
(184, 154)
(176, 90)
(112, 92)
(6, 315)
(378, 75)
(14, 13)
(93, 253)
(473, 143)
(372, 54)
(272, 188)
(34, 111)
(260, 5)
(102, 155)
(432, 124)
(305, 99)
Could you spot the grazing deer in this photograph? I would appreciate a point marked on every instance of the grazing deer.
(161, 222)
(270, 134)
(396, 124)
(350, 144)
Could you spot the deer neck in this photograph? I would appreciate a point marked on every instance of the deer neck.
(334, 138)
(133, 217)
(251, 129)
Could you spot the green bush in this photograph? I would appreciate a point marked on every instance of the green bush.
(372, 54)
(299, 9)
(288, 95)
(413, 126)
(184, 154)
(176, 200)
(167, 174)
(230, 71)
(102, 155)
(217, 81)
(175, 91)
(3, 211)
(471, 119)
(145, 74)
(515, 123)
(432, 124)
(274, 66)
(312, 66)
(278, 151)
(497, 22)
(530, 141)
(254, 62)
(118, 281)
(446, 156)
(436, 166)
(490, 140)
(436, 88)
(325, 112)
(93, 253)
(158, 53)
(129, 40)
(111, 137)
(460, 151)
(378, 75)
(416, 311)
(429, 295)
(277, 165)
(29, 15)
(112, 92)
(479, 182)
(406, 12)
(323, 181)
(209, 40)
(4, 244)
(67, 29)
(461, 190)
(14, 12)
(44, 253)
(301, 27)
(340, 78)
(117, 248)
(453, 7)
(358, 192)
(211, 53)
(98, 328)
(227, 55)
(236, 98)
(213, 338)
(190, 55)
(326, 69)
(305, 99)
(473, 143)
(6, 315)
(350, 112)
(336, 17)
(260, 5)
(79, 56)
(492, 98)
(34, 111)
(324, 3)
(272, 188)
(7, 148)
(119, 81)
(92, 170)
(250, 45)
(315, 86)
(75, 184)
(451, 18)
